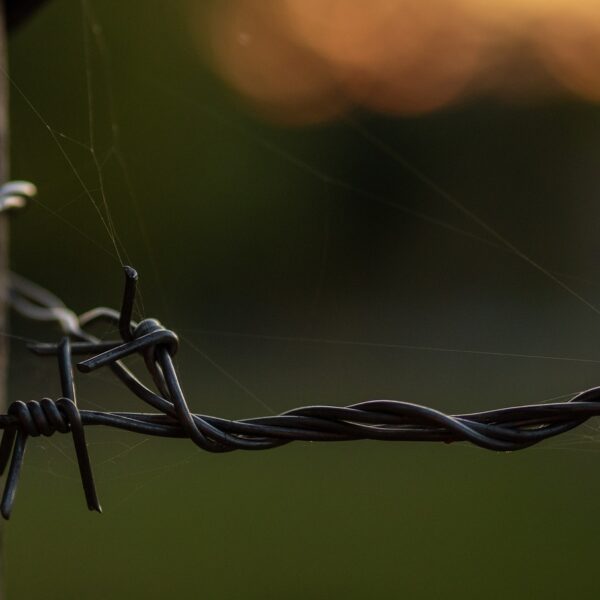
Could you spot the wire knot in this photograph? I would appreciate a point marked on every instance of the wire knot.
(159, 336)
(42, 418)
(146, 338)
(45, 418)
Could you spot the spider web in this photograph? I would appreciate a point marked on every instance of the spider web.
(309, 360)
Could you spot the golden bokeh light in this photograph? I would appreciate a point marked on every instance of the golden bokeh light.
(305, 61)
(568, 40)
(383, 57)
(253, 50)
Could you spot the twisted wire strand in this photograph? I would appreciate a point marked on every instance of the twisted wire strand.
(503, 429)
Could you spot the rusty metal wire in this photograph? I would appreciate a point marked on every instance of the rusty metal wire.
(503, 429)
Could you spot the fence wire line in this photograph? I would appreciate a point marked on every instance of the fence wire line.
(504, 429)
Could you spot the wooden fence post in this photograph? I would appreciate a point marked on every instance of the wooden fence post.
(4, 169)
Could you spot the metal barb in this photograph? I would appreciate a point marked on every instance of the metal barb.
(125, 327)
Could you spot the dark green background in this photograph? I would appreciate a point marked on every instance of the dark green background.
(232, 234)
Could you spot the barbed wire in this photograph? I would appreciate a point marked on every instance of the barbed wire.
(504, 429)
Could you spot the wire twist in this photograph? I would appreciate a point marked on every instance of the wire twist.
(504, 429)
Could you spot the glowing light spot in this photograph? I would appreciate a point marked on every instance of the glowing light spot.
(255, 53)
(310, 60)
(568, 41)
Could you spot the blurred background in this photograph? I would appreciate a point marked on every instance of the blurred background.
(293, 180)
